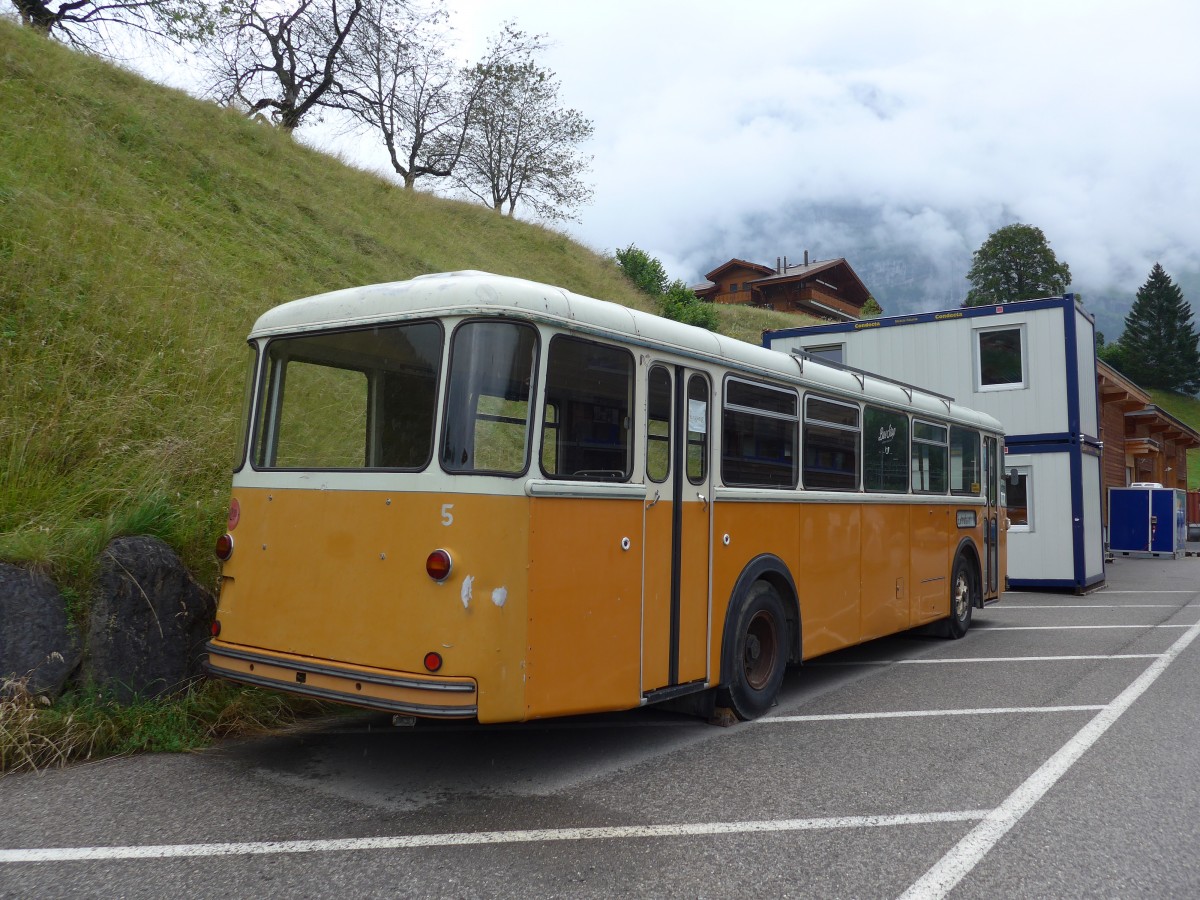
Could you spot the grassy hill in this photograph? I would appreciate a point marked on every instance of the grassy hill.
(141, 234)
(1187, 410)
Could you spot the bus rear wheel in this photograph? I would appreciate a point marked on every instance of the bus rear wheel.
(756, 656)
(963, 593)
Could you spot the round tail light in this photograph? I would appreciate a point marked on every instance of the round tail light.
(216, 628)
(224, 547)
(438, 565)
(433, 661)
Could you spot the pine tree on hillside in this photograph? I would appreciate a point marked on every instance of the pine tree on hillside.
(1158, 348)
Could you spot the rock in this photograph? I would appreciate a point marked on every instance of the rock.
(35, 639)
(149, 621)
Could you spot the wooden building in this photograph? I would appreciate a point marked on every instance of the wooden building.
(1142, 442)
(825, 289)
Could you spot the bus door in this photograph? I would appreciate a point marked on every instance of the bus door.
(991, 525)
(675, 612)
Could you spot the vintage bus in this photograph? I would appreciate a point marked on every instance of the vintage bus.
(475, 496)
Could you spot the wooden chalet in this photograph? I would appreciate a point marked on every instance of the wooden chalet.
(1142, 442)
(825, 289)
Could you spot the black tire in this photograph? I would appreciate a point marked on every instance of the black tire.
(756, 653)
(964, 591)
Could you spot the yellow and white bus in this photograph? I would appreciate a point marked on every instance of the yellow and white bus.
(474, 496)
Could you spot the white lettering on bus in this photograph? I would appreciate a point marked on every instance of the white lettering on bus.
(886, 434)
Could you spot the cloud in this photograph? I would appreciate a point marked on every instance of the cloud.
(713, 132)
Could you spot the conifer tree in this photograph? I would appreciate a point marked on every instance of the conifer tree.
(1159, 346)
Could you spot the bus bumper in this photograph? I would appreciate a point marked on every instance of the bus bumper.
(409, 694)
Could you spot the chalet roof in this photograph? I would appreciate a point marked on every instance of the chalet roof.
(1160, 420)
(757, 267)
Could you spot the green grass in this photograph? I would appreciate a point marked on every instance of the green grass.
(83, 725)
(1187, 410)
(141, 234)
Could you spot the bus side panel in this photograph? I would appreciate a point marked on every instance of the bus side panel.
(828, 576)
(340, 576)
(931, 533)
(753, 529)
(884, 570)
(585, 606)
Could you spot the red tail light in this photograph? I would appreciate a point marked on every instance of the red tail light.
(438, 565)
(216, 628)
(224, 547)
(433, 661)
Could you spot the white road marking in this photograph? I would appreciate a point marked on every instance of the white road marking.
(984, 659)
(460, 839)
(1013, 606)
(1147, 592)
(966, 854)
(1070, 627)
(922, 713)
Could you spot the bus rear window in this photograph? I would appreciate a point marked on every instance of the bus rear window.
(350, 400)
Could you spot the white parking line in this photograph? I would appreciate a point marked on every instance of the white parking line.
(1009, 607)
(966, 854)
(922, 713)
(1071, 627)
(460, 839)
(983, 659)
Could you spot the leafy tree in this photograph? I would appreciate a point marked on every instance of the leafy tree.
(1015, 263)
(521, 146)
(88, 24)
(1158, 348)
(398, 79)
(281, 56)
(871, 309)
(678, 301)
(681, 304)
(646, 272)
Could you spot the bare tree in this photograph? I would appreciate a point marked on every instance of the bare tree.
(521, 146)
(280, 57)
(88, 24)
(400, 81)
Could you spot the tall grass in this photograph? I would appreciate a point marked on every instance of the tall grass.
(85, 725)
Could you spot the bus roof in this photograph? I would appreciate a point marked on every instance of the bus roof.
(481, 293)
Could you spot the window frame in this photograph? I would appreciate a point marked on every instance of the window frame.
(906, 443)
(857, 430)
(443, 412)
(977, 342)
(738, 408)
(269, 391)
(1024, 470)
(929, 442)
(630, 413)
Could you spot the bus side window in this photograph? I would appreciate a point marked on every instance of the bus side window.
(658, 425)
(831, 445)
(929, 458)
(487, 401)
(697, 429)
(589, 395)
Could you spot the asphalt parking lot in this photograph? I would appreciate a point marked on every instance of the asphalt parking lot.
(1053, 752)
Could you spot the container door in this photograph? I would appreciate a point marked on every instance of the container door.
(675, 635)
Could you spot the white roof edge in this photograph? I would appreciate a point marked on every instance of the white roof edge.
(468, 292)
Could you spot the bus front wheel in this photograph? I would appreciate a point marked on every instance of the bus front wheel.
(756, 656)
(962, 598)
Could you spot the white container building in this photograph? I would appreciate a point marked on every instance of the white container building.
(1032, 365)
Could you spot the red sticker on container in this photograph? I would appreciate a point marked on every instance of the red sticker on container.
(235, 514)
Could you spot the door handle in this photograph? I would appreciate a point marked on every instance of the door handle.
(702, 499)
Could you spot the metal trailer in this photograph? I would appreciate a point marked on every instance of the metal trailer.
(1032, 365)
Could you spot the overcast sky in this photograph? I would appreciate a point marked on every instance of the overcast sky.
(717, 122)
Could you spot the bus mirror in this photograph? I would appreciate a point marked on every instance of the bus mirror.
(1014, 477)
